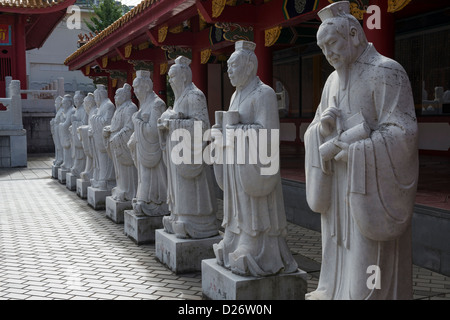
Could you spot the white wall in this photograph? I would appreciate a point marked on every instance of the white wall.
(47, 63)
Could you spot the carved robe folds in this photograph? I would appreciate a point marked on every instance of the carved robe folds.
(366, 204)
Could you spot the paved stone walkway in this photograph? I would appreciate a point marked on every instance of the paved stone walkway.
(54, 246)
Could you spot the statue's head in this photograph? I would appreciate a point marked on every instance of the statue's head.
(340, 36)
(67, 102)
(142, 84)
(89, 102)
(58, 102)
(243, 63)
(180, 73)
(78, 98)
(100, 94)
(123, 94)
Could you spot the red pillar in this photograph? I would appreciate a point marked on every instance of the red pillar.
(20, 55)
(264, 55)
(111, 90)
(199, 72)
(159, 82)
(130, 76)
(383, 38)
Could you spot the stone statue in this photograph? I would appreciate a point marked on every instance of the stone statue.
(54, 128)
(64, 133)
(116, 137)
(254, 218)
(90, 108)
(361, 166)
(190, 194)
(79, 118)
(105, 179)
(151, 196)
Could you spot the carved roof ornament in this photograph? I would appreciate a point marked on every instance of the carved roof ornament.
(128, 49)
(88, 70)
(205, 55)
(272, 35)
(162, 33)
(217, 7)
(141, 65)
(104, 62)
(397, 5)
(163, 68)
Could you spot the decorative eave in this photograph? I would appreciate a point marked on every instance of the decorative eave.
(138, 21)
(159, 21)
(34, 6)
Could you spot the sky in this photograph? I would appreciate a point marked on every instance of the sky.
(131, 2)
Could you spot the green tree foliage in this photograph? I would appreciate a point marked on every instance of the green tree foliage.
(106, 13)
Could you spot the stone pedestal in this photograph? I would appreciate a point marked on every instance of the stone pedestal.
(115, 209)
(183, 255)
(219, 283)
(97, 198)
(55, 171)
(62, 174)
(71, 181)
(82, 187)
(141, 229)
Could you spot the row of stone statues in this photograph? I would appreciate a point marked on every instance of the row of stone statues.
(129, 151)
(361, 163)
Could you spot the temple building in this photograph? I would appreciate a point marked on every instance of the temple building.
(25, 25)
(415, 33)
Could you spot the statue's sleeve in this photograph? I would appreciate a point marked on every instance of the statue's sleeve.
(150, 152)
(260, 176)
(383, 169)
(317, 171)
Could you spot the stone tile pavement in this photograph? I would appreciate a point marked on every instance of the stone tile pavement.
(54, 246)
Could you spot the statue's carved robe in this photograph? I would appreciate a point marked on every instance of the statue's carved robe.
(105, 179)
(151, 195)
(253, 203)
(125, 172)
(366, 204)
(79, 158)
(190, 192)
(88, 147)
(66, 138)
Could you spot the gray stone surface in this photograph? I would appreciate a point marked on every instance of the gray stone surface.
(183, 255)
(115, 209)
(141, 229)
(71, 182)
(219, 283)
(55, 171)
(62, 174)
(82, 188)
(97, 198)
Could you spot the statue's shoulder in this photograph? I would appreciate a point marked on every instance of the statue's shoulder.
(263, 91)
(195, 94)
(384, 64)
(159, 104)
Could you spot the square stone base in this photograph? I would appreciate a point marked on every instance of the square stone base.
(55, 171)
(183, 255)
(82, 187)
(141, 229)
(219, 283)
(71, 181)
(62, 174)
(97, 198)
(115, 209)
